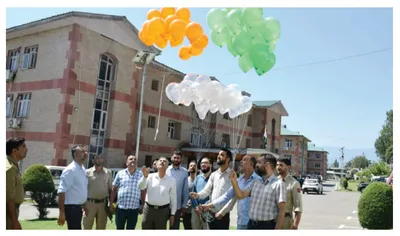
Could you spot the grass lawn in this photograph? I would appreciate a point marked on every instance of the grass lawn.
(51, 224)
(352, 187)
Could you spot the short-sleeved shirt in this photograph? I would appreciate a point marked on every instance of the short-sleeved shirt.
(293, 195)
(74, 183)
(128, 191)
(14, 186)
(99, 183)
(265, 197)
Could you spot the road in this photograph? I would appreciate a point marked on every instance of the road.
(332, 210)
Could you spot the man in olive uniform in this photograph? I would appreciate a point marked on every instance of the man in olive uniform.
(293, 195)
(99, 188)
(16, 151)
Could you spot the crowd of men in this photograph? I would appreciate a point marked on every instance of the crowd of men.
(167, 194)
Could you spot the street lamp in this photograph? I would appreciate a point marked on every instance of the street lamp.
(141, 59)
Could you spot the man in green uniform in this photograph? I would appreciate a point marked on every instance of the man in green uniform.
(293, 195)
(16, 151)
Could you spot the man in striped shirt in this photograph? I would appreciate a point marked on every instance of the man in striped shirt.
(267, 197)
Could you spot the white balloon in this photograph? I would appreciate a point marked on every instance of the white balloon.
(213, 108)
(247, 103)
(190, 77)
(203, 79)
(195, 93)
(235, 89)
(173, 92)
(233, 113)
(202, 109)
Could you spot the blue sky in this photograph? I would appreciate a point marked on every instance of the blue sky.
(339, 103)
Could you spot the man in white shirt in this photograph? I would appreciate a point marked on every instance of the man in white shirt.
(161, 203)
(73, 190)
(218, 184)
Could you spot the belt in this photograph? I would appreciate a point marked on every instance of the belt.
(157, 207)
(96, 200)
(260, 222)
(288, 214)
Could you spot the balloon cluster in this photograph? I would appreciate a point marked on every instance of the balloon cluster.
(209, 95)
(172, 25)
(247, 35)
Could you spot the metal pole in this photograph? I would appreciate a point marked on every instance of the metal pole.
(140, 110)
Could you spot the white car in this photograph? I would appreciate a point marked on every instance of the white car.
(312, 185)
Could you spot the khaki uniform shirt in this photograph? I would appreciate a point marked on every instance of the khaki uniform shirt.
(14, 187)
(99, 183)
(293, 195)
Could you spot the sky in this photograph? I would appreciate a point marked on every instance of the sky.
(334, 69)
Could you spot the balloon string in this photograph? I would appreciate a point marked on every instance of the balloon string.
(159, 109)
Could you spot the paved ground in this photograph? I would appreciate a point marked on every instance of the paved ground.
(332, 210)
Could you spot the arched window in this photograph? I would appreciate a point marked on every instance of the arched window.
(273, 124)
(105, 77)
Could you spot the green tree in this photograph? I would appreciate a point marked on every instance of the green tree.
(380, 169)
(384, 143)
(360, 162)
(335, 164)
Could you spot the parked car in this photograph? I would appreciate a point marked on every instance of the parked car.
(312, 185)
(362, 186)
(55, 172)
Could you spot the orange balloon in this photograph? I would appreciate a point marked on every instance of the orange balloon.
(157, 26)
(195, 51)
(153, 13)
(166, 36)
(183, 14)
(142, 36)
(184, 53)
(202, 42)
(161, 42)
(176, 42)
(169, 20)
(167, 11)
(177, 29)
(193, 31)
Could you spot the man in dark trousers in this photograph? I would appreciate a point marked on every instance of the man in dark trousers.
(73, 190)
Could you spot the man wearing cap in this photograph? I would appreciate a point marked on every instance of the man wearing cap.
(293, 195)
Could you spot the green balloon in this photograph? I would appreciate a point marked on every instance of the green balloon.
(230, 48)
(259, 54)
(241, 43)
(258, 39)
(233, 20)
(270, 29)
(220, 38)
(251, 16)
(245, 63)
(216, 18)
(266, 66)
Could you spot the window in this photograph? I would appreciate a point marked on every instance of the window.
(317, 155)
(154, 85)
(174, 130)
(24, 105)
(225, 140)
(288, 143)
(249, 120)
(9, 106)
(288, 156)
(317, 165)
(248, 143)
(12, 60)
(151, 123)
(101, 104)
(29, 57)
(148, 161)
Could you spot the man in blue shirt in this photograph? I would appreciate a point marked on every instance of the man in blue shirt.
(180, 175)
(126, 184)
(198, 185)
(248, 164)
(73, 190)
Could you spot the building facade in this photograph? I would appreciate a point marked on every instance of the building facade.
(70, 80)
(294, 145)
(317, 161)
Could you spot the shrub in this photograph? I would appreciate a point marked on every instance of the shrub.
(365, 180)
(342, 180)
(375, 207)
(37, 180)
(345, 184)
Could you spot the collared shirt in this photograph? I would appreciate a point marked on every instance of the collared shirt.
(128, 191)
(217, 186)
(99, 183)
(293, 195)
(243, 207)
(198, 185)
(191, 187)
(265, 197)
(160, 191)
(74, 183)
(180, 175)
(14, 187)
